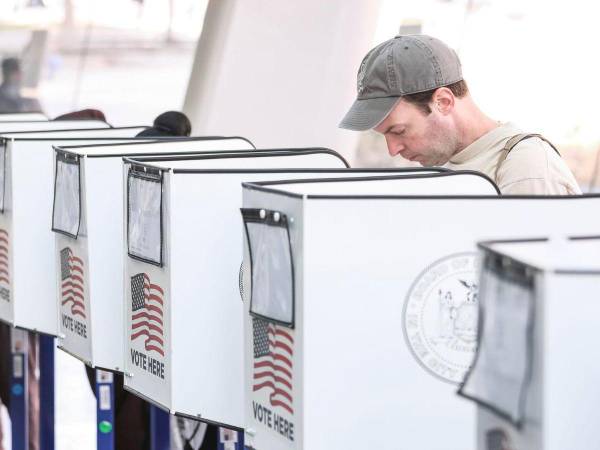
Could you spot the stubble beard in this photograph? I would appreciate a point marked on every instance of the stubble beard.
(443, 145)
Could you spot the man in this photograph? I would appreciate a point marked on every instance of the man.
(411, 90)
(11, 100)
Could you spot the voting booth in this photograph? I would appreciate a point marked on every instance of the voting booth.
(362, 316)
(535, 374)
(26, 180)
(183, 251)
(88, 222)
(22, 117)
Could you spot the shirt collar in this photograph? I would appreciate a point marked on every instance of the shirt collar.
(485, 142)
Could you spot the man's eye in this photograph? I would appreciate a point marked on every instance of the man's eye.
(398, 133)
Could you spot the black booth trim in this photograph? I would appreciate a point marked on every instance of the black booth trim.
(290, 170)
(230, 154)
(199, 418)
(9, 134)
(161, 139)
(46, 130)
(265, 186)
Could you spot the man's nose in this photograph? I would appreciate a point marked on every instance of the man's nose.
(394, 147)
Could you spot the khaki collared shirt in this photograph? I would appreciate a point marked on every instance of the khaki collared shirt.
(531, 168)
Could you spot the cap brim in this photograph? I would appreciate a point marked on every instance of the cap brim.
(368, 113)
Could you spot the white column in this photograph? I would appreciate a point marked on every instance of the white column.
(280, 73)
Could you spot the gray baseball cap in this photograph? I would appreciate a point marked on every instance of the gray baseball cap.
(401, 66)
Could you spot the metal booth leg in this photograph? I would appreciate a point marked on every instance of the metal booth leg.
(18, 390)
(159, 429)
(230, 439)
(47, 438)
(105, 410)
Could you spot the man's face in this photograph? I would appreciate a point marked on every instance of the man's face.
(429, 139)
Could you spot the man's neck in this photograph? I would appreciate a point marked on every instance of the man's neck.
(473, 125)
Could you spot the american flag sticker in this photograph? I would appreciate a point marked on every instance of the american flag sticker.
(4, 274)
(147, 313)
(72, 284)
(273, 363)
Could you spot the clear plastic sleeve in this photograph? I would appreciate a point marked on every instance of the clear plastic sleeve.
(144, 227)
(272, 282)
(67, 206)
(500, 374)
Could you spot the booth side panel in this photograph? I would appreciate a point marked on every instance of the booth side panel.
(401, 275)
(207, 247)
(33, 244)
(571, 391)
(357, 278)
(6, 244)
(104, 213)
(148, 346)
(274, 413)
(207, 309)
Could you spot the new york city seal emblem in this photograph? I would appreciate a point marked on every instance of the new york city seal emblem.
(440, 316)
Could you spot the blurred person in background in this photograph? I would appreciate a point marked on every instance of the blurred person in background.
(411, 90)
(169, 124)
(11, 99)
(84, 114)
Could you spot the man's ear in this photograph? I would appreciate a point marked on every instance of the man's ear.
(443, 100)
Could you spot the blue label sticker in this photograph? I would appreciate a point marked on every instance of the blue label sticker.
(17, 389)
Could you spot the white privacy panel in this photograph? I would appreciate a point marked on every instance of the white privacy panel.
(199, 281)
(385, 293)
(27, 221)
(210, 263)
(23, 117)
(98, 245)
(8, 127)
(556, 406)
